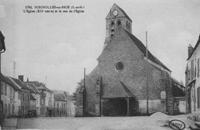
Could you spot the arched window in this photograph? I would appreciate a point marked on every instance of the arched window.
(112, 32)
(119, 23)
(112, 23)
(119, 66)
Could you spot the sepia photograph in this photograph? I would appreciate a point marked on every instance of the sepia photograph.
(99, 65)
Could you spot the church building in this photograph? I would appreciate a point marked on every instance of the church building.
(128, 80)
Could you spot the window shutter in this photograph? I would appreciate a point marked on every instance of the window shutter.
(192, 69)
(198, 67)
(198, 97)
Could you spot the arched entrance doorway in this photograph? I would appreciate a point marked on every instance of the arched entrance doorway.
(120, 106)
(115, 107)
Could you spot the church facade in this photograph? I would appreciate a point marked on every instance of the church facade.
(128, 80)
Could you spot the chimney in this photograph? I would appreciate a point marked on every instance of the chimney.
(199, 38)
(190, 50)
(21, 77)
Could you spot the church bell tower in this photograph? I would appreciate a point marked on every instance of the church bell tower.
(117, 18)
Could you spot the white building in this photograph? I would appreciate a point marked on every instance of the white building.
(17, 101)
(60, 103)
(10, 95)
(70, 106)
(36, 95)
(44, 98)
(192, 77)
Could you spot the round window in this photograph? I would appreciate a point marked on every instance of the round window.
(119, 66)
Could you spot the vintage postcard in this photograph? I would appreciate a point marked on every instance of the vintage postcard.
(99, 65)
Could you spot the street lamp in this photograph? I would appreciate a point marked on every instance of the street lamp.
(2, 50)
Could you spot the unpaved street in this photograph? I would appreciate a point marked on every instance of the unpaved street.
(91, 123)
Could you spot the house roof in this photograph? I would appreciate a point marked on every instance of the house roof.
(32, 97)
(177, 83)
(19, 87)
(8, 81)
(21, 84)
(178, 89)
(38, 85)
(142, 48)
(60, 95)
(32, 87)
(197, 44)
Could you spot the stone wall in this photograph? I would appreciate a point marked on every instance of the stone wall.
(121, 48)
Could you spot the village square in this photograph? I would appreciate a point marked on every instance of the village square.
(129, 88)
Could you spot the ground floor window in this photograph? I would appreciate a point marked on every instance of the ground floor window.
(5, 109)
(13, 109)
(9, 109)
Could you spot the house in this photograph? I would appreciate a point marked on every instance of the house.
(10, 96)
(34, 99)
(17, 102)
(192, 78)
(46, 102)
(178, 93)
(60, 103)
(25, 96)
(128, 80)
(70, 106)
(79, 95)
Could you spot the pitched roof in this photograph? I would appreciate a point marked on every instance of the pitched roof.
(197, 44)
(179, 84)
(14, 83)
(39, 85)
(32, 97)
(142, 48)
(115, 5)
(60, 95)
(21, 84)
(122, 11)
(178, 89)
(8, 81)
(32, 87)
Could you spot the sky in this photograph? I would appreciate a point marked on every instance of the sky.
(55, 48)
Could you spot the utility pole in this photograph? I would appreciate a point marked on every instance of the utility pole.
(147, 75)
(0, 84)
(100, 96)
